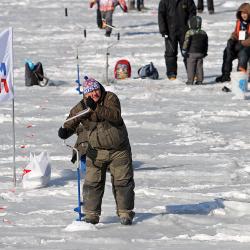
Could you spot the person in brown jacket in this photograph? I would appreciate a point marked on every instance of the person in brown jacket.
(108, 149)
(238, 46)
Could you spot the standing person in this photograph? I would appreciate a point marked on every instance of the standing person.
(131, 4)
(140, 5)
(105, 9)
(210, 6)
(238, 46)
(173, 19)
(108, 149)
(195, 49)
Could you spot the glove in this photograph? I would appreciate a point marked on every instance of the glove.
(65, 133)
(231, 42)
(238, 46)
(91, 4)
(184, 53)
(91, 103)
(125, 9)
(74, 158)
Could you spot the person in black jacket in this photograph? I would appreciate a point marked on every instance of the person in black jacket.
(173, 16)
(210, 6)
(195, 49)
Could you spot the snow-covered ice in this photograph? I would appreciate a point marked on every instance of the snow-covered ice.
(190, 144)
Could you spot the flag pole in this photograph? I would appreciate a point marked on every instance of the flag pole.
(13, 115)
(14, 143)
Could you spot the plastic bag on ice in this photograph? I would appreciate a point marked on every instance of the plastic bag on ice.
(38, 172)
(239, 84)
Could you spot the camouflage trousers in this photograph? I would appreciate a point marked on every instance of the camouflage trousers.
(119, 163)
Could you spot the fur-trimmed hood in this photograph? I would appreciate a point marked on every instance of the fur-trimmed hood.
(245, 7)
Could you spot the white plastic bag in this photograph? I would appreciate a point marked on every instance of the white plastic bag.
(37, 173)
(239, 84)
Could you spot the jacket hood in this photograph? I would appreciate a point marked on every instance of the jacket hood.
(245, 7)
(195, 22)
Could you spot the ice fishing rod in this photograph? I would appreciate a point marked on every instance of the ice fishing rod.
(78, 89)
(78, 82)
(107, 57)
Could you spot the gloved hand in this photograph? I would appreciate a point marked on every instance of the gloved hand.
(74, 158)
(91, 4)
(91, 103)
(125, 9)
(65, 133)
(184, 53)
(238, 46)
(231, 42)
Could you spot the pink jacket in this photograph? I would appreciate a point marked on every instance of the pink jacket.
(107, 5)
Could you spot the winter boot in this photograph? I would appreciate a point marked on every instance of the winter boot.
(171, 76)
(223, 78)
(108, 33)
(126, 218)
(241, 69)
(198, 83)
(91, 218)
(226, 89)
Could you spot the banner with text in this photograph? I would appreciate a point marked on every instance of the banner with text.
(6, 65)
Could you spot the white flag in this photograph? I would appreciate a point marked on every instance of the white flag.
(6, 65)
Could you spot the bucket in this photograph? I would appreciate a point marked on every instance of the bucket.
(239, 82)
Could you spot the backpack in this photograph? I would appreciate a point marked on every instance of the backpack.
(34, 74)
(122, 69)
(148, 70)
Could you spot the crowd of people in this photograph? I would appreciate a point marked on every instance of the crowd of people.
(175, 25)
(102, 135)
(181, 26)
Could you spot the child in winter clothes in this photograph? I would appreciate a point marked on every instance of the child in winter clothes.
(195, 49)
(105, 9)
(238, 46)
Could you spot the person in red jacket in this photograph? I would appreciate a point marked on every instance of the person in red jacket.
(105, 9)
(238, 46)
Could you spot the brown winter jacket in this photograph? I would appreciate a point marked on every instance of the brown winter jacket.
(81, 143)
(104, 127)
(245, 7)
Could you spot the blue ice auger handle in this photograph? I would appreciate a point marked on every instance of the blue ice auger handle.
(80, 203)
(83, 165)
(78, 89)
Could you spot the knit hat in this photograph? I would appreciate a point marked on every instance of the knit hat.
(90, 84)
